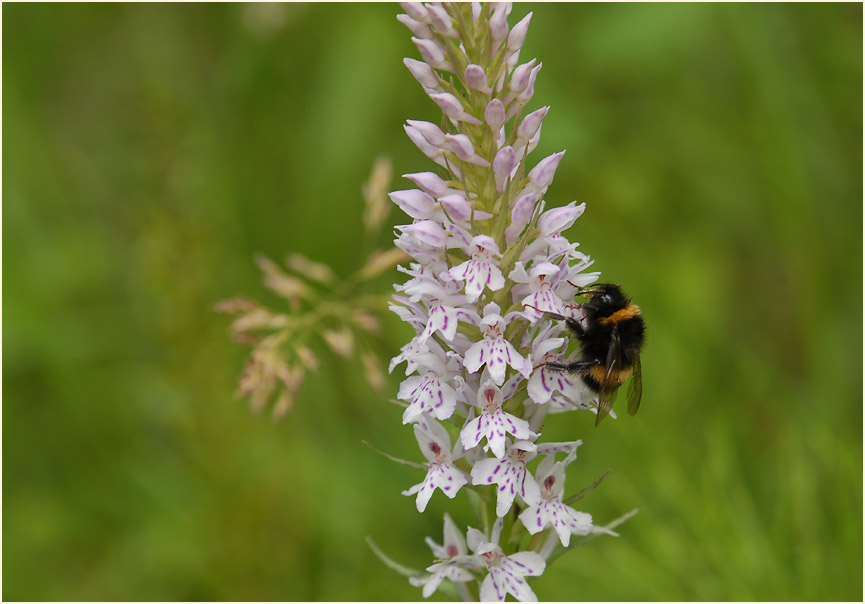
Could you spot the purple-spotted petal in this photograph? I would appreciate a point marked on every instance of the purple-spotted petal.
(432, 396)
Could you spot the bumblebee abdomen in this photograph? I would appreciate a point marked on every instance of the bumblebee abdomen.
(594, 377)
(632, 333)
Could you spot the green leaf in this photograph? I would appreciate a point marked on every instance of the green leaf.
(405, 462)
(606, 529)
(577, 496)
(391, 563)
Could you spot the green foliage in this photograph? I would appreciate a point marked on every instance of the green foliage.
(150, 151)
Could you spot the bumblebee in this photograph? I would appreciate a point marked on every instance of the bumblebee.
(610, 346)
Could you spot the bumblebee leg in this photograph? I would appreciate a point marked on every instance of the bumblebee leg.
(575, 327)
(548, 314)
(575, 367)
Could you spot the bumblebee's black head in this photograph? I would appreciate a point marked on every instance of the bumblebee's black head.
(606, 297)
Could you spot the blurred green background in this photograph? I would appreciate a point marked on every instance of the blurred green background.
(151, 150)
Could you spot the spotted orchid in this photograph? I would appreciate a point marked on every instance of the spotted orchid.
(489, 260)
(441, 474)
(548, 509)
(511, 476)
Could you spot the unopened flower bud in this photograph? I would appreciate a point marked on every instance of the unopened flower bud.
(520, 77)
(526, 95)
(428, 232)
(415, 10)
(432, 54)
(542, 175)
(495, 114)
(458, 208)
(427, 148)
(429, 131)
(518, 33)
(476, 11)
(418, 29)
(451, 107)
(521, 214)
(499, 20)
(430, 182)
(557, 220)
(423, 73)
(477, 79)
(530, 124)
(503, 163)
(441, 20)
(414, 202)
(461, 146)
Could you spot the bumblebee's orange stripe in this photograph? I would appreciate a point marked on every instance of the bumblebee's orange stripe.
(617, 376)
(629, 312)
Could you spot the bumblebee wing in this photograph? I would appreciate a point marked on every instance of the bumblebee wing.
(635, 388)
(608, 391)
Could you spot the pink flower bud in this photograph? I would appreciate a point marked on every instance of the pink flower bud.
(557, 220)
(530, 124)
(499, 20)
(429, 182)
(430, 131)
(441, 20)
(449, 104)
(456, 206)
(518, 33)
(520, 77)
(423, 73)
(521, 214)
(523, 209)
(526, 95)
(495, 114)
(461, 146)
(542, 175)
(421, 30)
(415, 10)
(422, 143)
(428, 232)
(414, 202)
(503, 163)
(432, 54)
(451, 107)
(477, 79)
